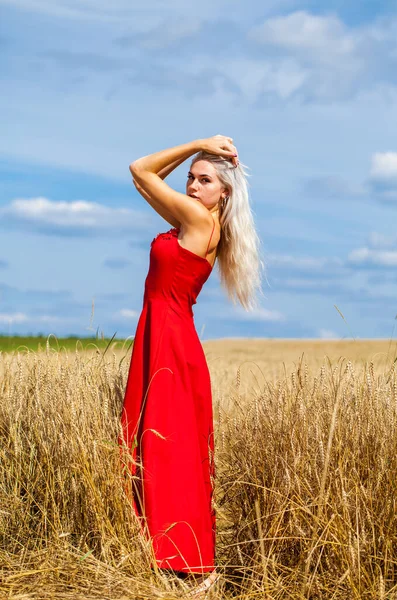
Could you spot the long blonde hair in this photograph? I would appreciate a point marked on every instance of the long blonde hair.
(239, 253)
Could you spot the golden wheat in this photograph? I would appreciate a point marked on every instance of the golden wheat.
(305, 490)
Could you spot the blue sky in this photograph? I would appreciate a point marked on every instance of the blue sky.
(307, 90)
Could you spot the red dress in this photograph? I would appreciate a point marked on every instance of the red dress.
(167, 418)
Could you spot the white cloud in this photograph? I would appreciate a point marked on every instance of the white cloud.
(322, 36)
(333, 187)
(339, 61)
(118, 12)
(127, 313)
(328, 334)
(257, 76)
(384, 167)
(17, 317)
(80, 215)
(382, 180)
(307, 263)
(259, 314)
(165, 34)
(122, 12)
(73, 9)
(50, 319)
(306, 284)
(369, 257)
(379, 240)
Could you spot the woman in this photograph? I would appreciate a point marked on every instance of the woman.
(167, 419)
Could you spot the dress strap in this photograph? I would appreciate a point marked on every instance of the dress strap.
(210, 237)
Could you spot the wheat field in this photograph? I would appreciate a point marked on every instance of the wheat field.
(306, 457)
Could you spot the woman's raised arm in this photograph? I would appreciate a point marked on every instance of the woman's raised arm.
(163, 212)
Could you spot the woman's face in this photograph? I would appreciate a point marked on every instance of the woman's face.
(204, 184)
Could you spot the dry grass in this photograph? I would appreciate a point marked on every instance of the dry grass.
(306, 456)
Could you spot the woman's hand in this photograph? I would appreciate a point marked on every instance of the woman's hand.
(221, 145)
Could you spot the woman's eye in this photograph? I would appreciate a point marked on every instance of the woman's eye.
(206, 180)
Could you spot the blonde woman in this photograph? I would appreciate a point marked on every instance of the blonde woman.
(167, 418)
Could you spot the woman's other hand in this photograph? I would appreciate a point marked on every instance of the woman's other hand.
(221, 145)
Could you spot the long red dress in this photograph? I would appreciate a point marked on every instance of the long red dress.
(167, 417)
